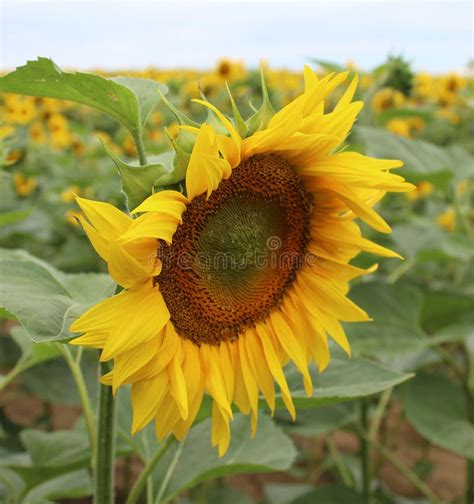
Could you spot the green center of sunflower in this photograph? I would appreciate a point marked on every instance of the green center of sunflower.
(236, 254)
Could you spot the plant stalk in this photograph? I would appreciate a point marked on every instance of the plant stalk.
(365, 449)
(76, 371)
(139, 485)
(138, 139)
(469, 462)
(105, 461)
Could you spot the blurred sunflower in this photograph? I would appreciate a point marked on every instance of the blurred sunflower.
(249, 270)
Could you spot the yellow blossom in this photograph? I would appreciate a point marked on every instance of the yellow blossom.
(24, 185)
(447, 220)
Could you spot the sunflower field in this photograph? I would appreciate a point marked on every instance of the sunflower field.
(242, 285)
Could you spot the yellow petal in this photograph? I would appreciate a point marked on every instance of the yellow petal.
(109, 221)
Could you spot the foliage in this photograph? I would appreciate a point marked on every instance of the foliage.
(68, 133)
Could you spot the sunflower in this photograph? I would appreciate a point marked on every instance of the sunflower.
(247, 271)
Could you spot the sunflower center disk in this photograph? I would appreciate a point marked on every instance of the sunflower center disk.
(235, 254)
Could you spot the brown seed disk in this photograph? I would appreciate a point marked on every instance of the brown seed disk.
(235, 254)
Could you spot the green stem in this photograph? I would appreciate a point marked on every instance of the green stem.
(379, 413)
(398, 272)
(469, 462)
(338, 462)
(104, 474)
(76, 371)
(365, 449)
(420, 485)
(139, 485)
(169, 472)
(138, 139)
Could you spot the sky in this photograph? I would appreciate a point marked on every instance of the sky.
(436, 36)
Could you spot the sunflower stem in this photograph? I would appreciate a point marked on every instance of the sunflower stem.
(138, 139)
(365, 449)
(76, 371)
(105, 462)
(139, 485)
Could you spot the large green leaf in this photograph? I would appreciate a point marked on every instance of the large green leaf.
(50, 465)
(129, 100)
(344, 379)
(44, 300)
(195, 460)
(31, 354)
(443, 308)
(437, 408)
(395, 330)
(73, 485)
(319, 421)
(423, 160)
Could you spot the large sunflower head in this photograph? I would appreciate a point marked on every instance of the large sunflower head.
(246, 271)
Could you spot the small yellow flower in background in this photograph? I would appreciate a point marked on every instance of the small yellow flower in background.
(173, 129)
(447, 220)
(387, 98)
(73, 217)
(405, 127)
(366, 81)
(155, 135)
(422, 190)
(13, 157)
(69, 194)
(6, 131)
(24, 185)
(37, 133)
(453, 82)
(128, 146)
(228, 70)
(423, 85)
(446, 97)
(19, 109)
(462, 187)
(399, 127)
(78, 147)
(181, 330)
(448, 114)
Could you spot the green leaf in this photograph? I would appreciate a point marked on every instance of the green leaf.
(344, 379)
(56, 449)
(148, 93)
(128, 100)
(422, 239)
(73, 485)
(262, 116)
(31, 354)
(138, 181)
(285, 493)
(443, 308)
(11, 485)
(423, 160)
(195, 460)
(44, 300)
(331, 494)
(395, 330)
(319, 421)
(13, 217)
(436, 407)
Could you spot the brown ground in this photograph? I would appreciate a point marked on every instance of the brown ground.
(446, 477)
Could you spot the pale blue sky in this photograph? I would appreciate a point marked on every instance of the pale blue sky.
(436, 36)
